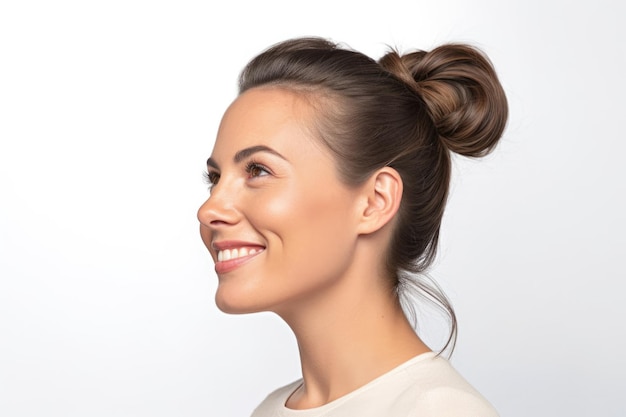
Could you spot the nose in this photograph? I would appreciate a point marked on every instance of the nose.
(214, 215)
(219, 209)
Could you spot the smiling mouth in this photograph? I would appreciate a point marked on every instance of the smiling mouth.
(230, 254)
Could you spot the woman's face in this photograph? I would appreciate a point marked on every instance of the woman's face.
(279, 223)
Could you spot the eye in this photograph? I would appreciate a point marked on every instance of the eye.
(255, 169)
(211, 178)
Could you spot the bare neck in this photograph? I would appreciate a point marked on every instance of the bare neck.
(347, 337)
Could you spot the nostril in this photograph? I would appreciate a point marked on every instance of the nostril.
(217, 222)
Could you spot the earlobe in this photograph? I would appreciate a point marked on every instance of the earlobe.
(383, 193)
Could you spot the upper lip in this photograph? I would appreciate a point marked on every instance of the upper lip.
(230, 244)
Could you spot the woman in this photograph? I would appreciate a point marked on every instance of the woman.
(328, 182)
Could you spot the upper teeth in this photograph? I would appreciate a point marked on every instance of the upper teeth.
(228, 254)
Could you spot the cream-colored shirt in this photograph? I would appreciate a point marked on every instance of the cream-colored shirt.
(425, 386)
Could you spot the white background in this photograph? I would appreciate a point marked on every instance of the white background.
(108, 112)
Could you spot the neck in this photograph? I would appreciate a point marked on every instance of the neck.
(347, 337)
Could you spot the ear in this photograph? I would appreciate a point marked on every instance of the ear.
(382, 194)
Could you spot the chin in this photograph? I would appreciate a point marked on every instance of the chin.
(236, 305)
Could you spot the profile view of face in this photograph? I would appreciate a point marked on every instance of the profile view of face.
(279, 224)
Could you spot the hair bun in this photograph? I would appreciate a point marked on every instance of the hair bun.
(461, 91)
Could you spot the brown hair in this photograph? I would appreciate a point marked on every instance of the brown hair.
(404, 111)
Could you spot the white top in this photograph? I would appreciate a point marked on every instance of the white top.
(425, 386)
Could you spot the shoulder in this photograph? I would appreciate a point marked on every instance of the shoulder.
(452, 402)
(426, 386)
(436, 389)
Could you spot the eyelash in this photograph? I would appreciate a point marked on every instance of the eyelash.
(212, 178)
(253, 166)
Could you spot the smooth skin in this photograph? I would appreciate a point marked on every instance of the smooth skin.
(318, 244)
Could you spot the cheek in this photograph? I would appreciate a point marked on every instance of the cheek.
(311, 209)
(310, 231)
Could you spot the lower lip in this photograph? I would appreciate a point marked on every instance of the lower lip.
(223, 267)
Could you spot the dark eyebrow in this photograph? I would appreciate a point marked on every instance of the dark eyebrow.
(245, 153)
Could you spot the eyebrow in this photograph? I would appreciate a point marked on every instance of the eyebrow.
(245, 153)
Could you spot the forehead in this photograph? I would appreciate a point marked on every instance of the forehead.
(269, 116)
